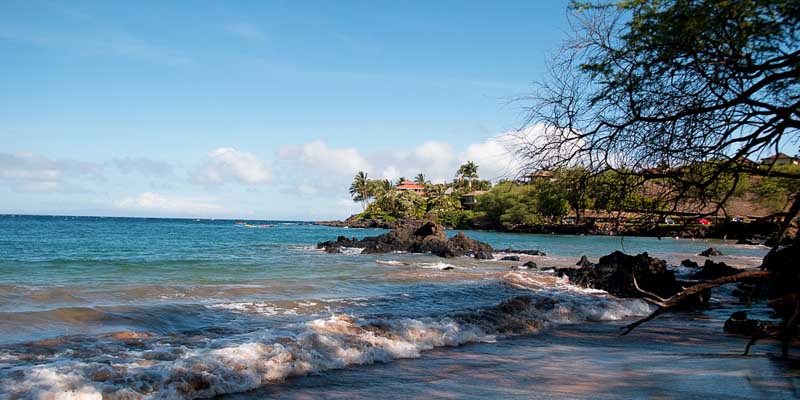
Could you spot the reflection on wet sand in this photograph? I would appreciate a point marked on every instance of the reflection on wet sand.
(671, 358)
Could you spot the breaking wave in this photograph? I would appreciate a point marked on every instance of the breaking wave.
(131, 365)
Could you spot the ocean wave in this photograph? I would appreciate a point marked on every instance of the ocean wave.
(159, 367)
(436, 265)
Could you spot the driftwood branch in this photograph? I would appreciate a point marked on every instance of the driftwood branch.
(664, 304)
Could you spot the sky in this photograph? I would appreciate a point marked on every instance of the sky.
(256, 109)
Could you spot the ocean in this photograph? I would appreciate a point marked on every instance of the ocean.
(129, 308)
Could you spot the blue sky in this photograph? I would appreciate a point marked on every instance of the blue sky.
(255, 109)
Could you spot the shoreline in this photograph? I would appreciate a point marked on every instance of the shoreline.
(676, 356)
(752, 233)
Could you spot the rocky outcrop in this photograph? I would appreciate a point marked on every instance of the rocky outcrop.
(584, 262)
(415, 237)
(689, 264)
(510, 258)
(711, 252)
(614, 274)
(739, 324)
(713, 270)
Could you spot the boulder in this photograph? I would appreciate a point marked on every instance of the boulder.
(415, 237)
(711, 252)
(739, 324)
(510, 258)
(584, 262)
(484, 255)
(530, 265)
(713, 270)
(614, 274)
(690, 264)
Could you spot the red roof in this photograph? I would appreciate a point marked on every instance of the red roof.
(780, 156)
(410, 185)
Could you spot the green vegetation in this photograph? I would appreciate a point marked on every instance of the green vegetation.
(511, 205)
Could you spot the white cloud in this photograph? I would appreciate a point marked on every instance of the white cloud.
(227, 164)
(30, 172)
(495, 157)
(317, 154)
(158, 204)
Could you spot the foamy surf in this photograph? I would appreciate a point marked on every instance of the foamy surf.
(160, 367)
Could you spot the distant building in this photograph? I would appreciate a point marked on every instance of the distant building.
(780, 159)
(470, 200)
(746, 162)
(538, 176)
(411, 187)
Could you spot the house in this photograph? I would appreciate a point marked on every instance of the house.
(411, 187)
(470, 200)
(746, 162)
(538, 176)
(780, 159)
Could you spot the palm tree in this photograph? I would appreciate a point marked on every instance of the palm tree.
(360, 189)
(467, 171)
(420, 179)
(380, 187)
(400, 180)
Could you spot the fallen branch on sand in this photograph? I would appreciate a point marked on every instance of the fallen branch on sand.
(782, 332)
(664, 304)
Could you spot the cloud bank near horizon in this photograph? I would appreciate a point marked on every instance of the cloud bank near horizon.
(298, 181)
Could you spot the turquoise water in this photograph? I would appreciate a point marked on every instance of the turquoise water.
(129, 306)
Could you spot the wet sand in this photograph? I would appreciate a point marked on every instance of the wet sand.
(677, 356)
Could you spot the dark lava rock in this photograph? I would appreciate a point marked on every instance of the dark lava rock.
(783, 285)
(711, 252)
(484, 255)
(415, 237)
(713, 270)
(584, 262)
(447, 268)
(748, 242)
(740, 325)
(528, 252)
(530, 265)
(510, 258)
(613, 273)
(690, 264)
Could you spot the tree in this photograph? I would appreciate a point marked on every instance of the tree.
(420, 179)
(667, 84)
(467, 171)
(360, 189)
(679, 92)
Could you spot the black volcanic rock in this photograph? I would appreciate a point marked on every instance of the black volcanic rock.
(510, 258)
(690, 264)
(530, 265)
(584, 262)
(414, 236)
(713, 270)
(614, 274)
(711, 252)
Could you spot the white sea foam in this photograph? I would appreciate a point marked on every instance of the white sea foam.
(391, 262)
(351, 251)
(437, 265)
